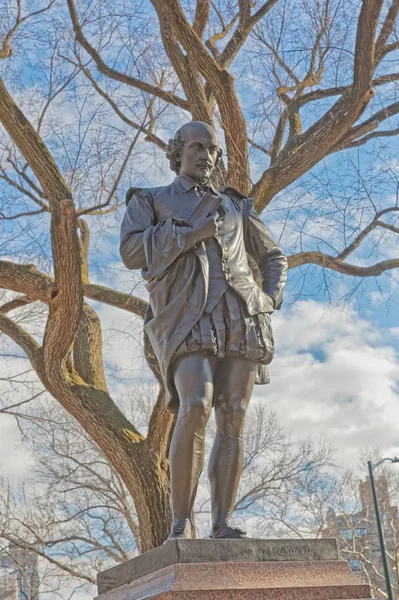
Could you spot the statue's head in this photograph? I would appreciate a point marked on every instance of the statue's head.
(194, 151)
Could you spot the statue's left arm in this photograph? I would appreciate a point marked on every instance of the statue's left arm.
(266, 252)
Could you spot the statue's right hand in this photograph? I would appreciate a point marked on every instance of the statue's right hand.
(206, 227)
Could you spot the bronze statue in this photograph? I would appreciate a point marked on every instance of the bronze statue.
(208, 321)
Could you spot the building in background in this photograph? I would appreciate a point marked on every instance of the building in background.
(19, 578)
(357, 536)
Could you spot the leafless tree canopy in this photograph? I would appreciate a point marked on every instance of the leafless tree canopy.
(304, 95)
(77, 516)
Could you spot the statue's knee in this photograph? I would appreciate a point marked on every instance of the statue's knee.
(233, 416)
(198, 406)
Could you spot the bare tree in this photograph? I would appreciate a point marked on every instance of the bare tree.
(80, 81)
(74, 513)
(341, 506)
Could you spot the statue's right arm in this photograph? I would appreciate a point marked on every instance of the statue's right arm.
(146, 244)
(138, 217)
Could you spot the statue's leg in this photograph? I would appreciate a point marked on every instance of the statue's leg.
(234, 382)
(193, 377)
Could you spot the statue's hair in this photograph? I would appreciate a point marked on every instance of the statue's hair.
(174, 149)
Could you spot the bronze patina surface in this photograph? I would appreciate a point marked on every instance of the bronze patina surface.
(208, 321)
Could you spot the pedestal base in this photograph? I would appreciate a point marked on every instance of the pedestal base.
(258, 575)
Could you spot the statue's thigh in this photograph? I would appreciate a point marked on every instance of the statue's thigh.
(193, 376)
(234, 382)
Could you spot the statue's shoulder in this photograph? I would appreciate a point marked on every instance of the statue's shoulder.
(233, 192)
(145, 193)
(243, 203)
(239, 200)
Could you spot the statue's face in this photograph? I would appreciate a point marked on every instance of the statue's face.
(200, 152)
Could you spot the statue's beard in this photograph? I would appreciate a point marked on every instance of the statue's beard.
(204, 176)
(204, 179)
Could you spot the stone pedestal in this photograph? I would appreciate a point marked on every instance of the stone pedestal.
(235, 570)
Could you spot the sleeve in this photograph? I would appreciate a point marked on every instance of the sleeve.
(146, 244)
(266, 252)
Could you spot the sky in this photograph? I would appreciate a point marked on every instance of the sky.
(336, 369)
(335, 373)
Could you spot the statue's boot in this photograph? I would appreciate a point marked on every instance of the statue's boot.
(182, 529)
(228, 532)
(225, 530)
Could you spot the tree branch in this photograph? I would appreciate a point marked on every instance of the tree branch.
(6, 409)
(87, 349)
(189, 76)
(389, 48)
(168, 97)
(242, 32)
(14, 304)
(210, 43)
(140, 127)
(32, 184)
(362, 235)
(386, 30)
(278, 138)
(22, 214)
(281, 90)
(6, 49)
(201, 16)
(370, 136)
(365, 46)
(52, 561)
(23, 340)
(84, 244)
(169, 11)
(160, 428)
(100, 293)
(98, 208)
(336, 91)
(335, 264)
(65, 303)
(304, 151)
(26, 279)
(23, 190)
(371, 123)
(33, 149)
(258, 147)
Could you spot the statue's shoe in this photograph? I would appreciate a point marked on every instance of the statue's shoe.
(229, 533)
(182, 529)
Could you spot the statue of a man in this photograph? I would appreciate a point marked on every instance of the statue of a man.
(208, 321)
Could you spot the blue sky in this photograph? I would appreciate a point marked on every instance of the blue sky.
(336, 370)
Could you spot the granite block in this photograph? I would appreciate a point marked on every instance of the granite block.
(251, 595)
(288, 580)
(216, 551)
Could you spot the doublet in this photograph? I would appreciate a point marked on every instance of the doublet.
(218, 274)
(184, 284)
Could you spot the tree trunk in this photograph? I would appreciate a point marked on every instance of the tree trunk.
(143, 470)
(152, 498)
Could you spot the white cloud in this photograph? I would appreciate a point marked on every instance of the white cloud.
(14, 460)
(334, 374)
